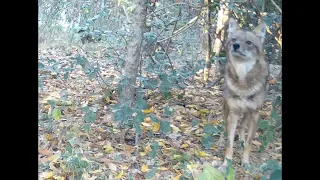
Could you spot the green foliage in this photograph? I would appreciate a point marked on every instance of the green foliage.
(151, 83)
(75, 164)
(56, 113)
(273, 168)
(207, 141)
(210, 129)
(276, 175)
(123, 112)
(90, 117)
(165, 127)
(155, 146)
(151, 173)
(167, 69)
(88, 68)
(222, 60)
(210, 173)
(231, 174)
(268, 126)
(246, 13)
(168, 111)
(267, 136)
(195, 122)
(150, 37)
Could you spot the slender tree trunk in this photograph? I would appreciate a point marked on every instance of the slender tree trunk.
(223, 16)
(130, 71)
(207, 38)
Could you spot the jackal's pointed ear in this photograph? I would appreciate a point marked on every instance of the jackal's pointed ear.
(260, 31)
(233, 26)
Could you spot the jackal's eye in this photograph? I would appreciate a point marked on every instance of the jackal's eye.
(248, 42)
(233, 39)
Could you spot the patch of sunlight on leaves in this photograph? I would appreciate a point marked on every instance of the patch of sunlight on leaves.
(210, 173)
(231, 174)
(58, 177)
(156, 127)
(148, 111)
(107, 148)
(204, 111)
(162, 168)
(177, 156)
(56, 113)
(184, 146)
(192, 166)
(146, 150)
(119, 175)
(201, 153)
(47, 175)
(112, 166)
(144, 168)
(146, 124)
(147, 120)
(175, 129)
(177, 177)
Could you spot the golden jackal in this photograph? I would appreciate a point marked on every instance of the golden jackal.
(246, 85)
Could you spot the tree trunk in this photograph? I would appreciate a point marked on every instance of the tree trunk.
(207, 39)
(130, 71)
(222, 18)
(220, 34)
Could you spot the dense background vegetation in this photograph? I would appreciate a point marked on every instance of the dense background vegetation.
(131, 89)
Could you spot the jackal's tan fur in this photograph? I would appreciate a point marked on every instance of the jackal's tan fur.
(246, 85)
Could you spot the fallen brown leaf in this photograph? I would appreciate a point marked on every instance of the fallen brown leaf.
(45, 152)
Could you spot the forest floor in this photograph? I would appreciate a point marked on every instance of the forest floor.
(67, 150)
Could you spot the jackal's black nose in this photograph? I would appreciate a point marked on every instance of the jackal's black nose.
(236, 46)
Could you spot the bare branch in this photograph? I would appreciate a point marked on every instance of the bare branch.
(277, 7)
(188, 25)
(174, 28)
(165, 8)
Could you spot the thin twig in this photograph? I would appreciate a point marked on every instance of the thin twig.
(165, 8)
(98, 72)
(273, 34)
(174, 28)
(277, 7)
(263, 5)
(256, 10)
(185, 27)
(277, 128)
(214, 82)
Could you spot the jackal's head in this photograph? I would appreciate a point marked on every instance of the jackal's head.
(245, 45)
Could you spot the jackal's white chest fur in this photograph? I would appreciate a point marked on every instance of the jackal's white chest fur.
(242, 68)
